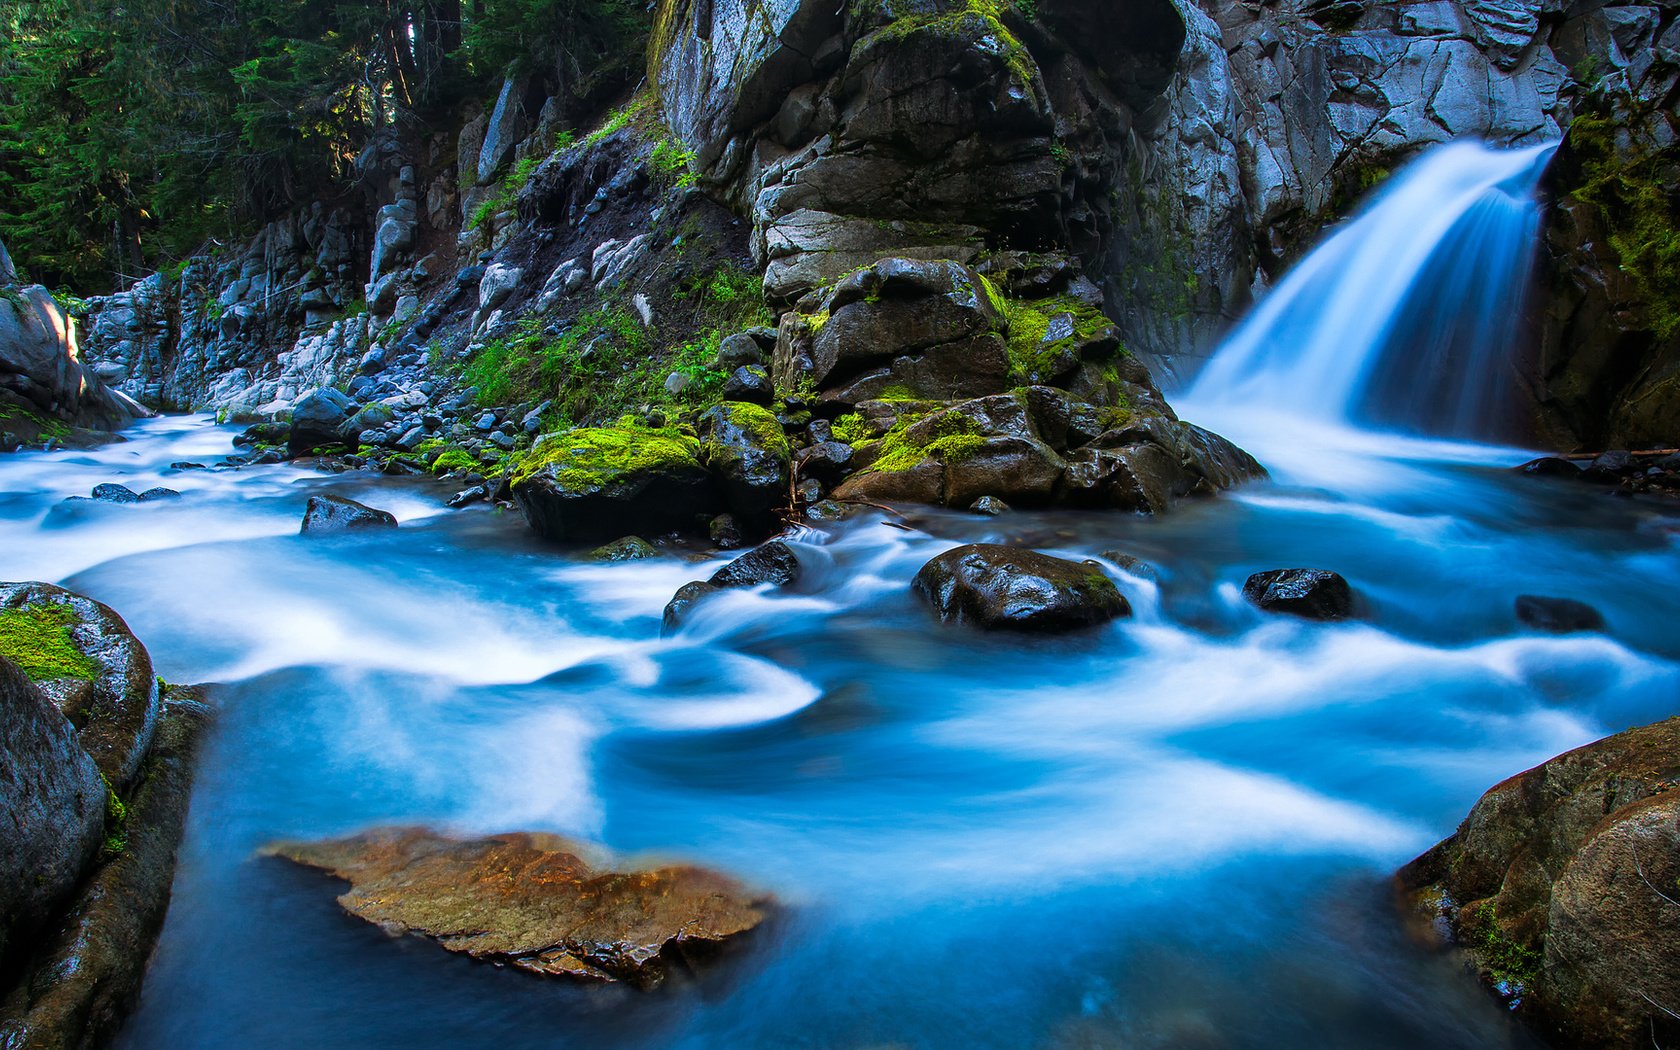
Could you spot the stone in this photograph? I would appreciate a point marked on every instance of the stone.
(724, 532)
(321, 418)
(773, 563)
(1550, 467)
(497, 284)
(1558, 886)
(990, 506)
(682, 603)
(749, 383)
(88, 661)
(111, 492)
(337, 514)
(744, 447)
(1557, 615)
(1133, 565)
(829, 462)
(507, 125)
(157, 494)
(992, 586)
(52, 812)
(531, 901)
(629, 548)
(466, 496)
(600, 483)
(1313, 594)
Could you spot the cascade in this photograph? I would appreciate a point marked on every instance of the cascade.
(1408, 317)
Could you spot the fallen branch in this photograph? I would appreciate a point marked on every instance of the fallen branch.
(1636, 455)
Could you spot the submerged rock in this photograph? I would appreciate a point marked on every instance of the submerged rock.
(110, 492)
(993, 586)
(630, 548)
(772, 562)
(337, 514)
(533, 902)
(1560, 884)
(1557, 615)
(1313, 594)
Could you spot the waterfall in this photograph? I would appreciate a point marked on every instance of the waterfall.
(1406, 319)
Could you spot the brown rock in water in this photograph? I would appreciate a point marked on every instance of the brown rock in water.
(992, 586)
(531, 901)
(1563, 885)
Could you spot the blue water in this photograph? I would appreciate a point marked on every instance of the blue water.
(1175, 831)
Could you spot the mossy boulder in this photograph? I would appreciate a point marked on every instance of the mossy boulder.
(748, 452)
(597, 483)
(52, 811)
(992, 586)
(534, 902)
(86, 660)
(1562, 887)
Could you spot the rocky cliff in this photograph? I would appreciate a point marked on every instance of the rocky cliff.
(1178, 155)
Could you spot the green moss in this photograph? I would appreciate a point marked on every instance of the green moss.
(952, 438)
(1634, 189)
(1514, 967)
(853, 429)
(979, 18)
(761, 424)
(47, 426)
(594, 456)
(1033, 356)
(116, 822)
(452, 460)
(37, 639)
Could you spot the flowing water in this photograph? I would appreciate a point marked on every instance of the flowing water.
(1174, 831)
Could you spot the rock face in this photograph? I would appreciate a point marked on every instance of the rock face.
(1561, 886)
(337, 514)
(52, 811)
(1313, 594)
(91, 666)
(992, 586)
(531, 901)
(41, 371)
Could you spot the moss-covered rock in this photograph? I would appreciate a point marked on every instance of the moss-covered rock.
(747, 451)
(600, 482)
(91, 665)
(1562, 886)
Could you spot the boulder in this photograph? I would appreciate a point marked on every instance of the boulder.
(1313, 594)
(992, 586)
(84, 658)
(630, 548)
(52, 811)
(600, 483)
(532, 901)
(772, 563)
(110, 492)
(320, 418)
(745, 448)
(41, 370)
(1557, 615)
(1560, 887)
(337, 514)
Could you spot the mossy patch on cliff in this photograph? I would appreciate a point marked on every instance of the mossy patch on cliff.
(37, 639)
(591, 457)
(1047, 336)
(951, 438)
(981, 19)
(1634, 188)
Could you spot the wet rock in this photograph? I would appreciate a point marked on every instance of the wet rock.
(1550, 467)
(154, 495)
(772, 562)
(746, 449)
(533, 902)
(1609, 468)
(827, 461)
(114, 493)
(1313, 594)
(1559, 885)
(1133, 565)
(990, 506)
(85, 977)
(467, 496)
(337, 514)
(1557, 615)
(630, 548)
(597, 484)
(320, 419)
(992, 586)
(90, 664)
(683, 602)
(725, 532)
(749, 383)
(52, 812)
